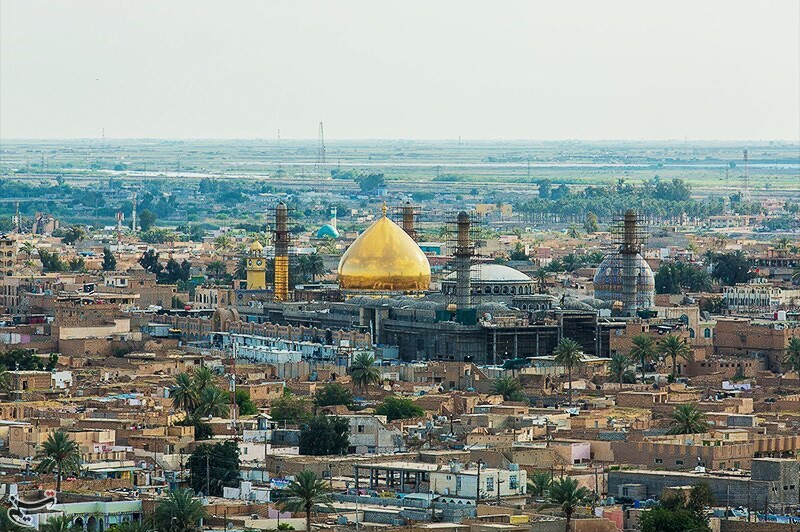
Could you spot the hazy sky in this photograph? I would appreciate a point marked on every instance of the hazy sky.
(723, 69)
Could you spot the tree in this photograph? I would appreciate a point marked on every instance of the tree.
(212, 402)
(540, 276)
(60, 523)
(181, 511)
(673, 278)
(214, 467)
(590, 224)
(796, 274)
(333, 394)
(619, 369)
(147, 219)
(565, 493)
(216, 269)
(73, 234)
(509, 388)
(643, 350)
(240, 271)
(687, 419)
(539, 483)
(573, 232)
(202, 378)
(290, 409)
(149, 261)
(27, 248)
(792, 357)
(184, 393)
(223, 243)
(306, 492)
(700, 497)
(674, 347)
(246, 406)
(663, 520)
(27, 361)
(311, 266)
(518, 253)
(6, 386)
(51, 262)
(61, 455)
(132, 526)
(324, 435)
(398, 408)
(76, 264)
(109, 260)
(8, 525)
(568, 353)
(731, 268)
(364, 371)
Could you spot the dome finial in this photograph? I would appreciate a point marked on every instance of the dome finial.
(383, 209)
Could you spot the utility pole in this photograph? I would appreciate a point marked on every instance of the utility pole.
(478, 488)
(208, 476)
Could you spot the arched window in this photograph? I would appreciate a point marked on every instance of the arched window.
(706, 333)
(505, 289)
(496, 290)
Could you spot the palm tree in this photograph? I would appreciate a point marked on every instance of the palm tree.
(181, 511)
(796, 274)
(618, 368)
(7, 525)
(60, 454)
(216, 269)
(539, 483)
(565, 493)
(202, 378)
(674, 347)
(27, 248)
(305, 492)
(212, 402)
(240, 271)
(509, 388)
(687, 419)
(222, 244)
(61, 523)
(5, 380)
(133, 526)
(568, 354)
(314, 266)
(573, 232)
(184, 393)
(541, 275)
(782, 243)
(643, 350)
(792, 357)
(364, 371)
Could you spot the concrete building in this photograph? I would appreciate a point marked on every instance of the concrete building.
(773, 484)
(371, 435)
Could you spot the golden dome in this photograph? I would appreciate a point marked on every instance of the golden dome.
(256, 246)
(384, 257)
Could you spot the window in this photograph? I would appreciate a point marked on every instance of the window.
(512, 482)
(489, 483)
(678, 462)
(361, 428)
(458, 483)
(659, 461)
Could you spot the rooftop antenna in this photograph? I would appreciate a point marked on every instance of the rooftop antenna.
(133, 213)
(746, 180)
(278, 148)
(17, 224)
(321, 150)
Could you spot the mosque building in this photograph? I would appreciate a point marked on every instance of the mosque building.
(330, 229)
(384, 259)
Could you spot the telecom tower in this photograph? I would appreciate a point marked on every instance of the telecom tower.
(133, 213)
(746, 181)
(321, 151)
